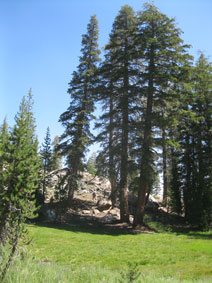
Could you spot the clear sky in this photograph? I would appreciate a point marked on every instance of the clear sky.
(41, 41)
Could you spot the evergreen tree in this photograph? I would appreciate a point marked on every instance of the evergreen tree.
(162, 53)
(22, 174)
(108, 160)
(46, 155)
(76, 119)
(56, 161)
(202, 143)
(117, 71)
(4, 144)
(194, 177)
(91, 164)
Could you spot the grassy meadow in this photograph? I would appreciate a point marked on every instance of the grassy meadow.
(65, 253)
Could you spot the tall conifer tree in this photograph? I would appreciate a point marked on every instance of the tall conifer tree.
(162, 52)
(76, 120)
(194, 161)
(118, 71)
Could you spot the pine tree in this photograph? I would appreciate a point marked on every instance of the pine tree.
(108, 160)
(24, 160)
(76, 119)
(120, 94)
(56, 161)
(4, 143)
(195, 143)
(46, 155)
(91, 164)
(202, 142)
(162, 53)
(22, 174)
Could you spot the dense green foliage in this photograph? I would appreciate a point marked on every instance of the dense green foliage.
(156, 115)
(76, 119)
(19, 174)
(192, 172)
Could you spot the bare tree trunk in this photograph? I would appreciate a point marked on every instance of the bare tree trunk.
(146, 148)
(187, 189)
(72, 187)
(165, 178)
(112, 175)
(3, 232)
(14, 247)
(124, 170)
(124, 212)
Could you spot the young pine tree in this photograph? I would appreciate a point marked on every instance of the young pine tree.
(4, 144)
(91, 164)
(22, 172)
(46, 155)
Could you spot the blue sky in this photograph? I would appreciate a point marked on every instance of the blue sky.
(41, 41)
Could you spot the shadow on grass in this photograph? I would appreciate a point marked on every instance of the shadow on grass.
(169, 223)
(190, 231)
(115, 229)
(200, 236)
(164, 221)
(76, 222)
(86, 225)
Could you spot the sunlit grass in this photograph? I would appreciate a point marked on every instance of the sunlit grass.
(74, 252)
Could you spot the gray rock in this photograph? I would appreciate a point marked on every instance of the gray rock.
(103, 205)
(115, 212)
(51, 216)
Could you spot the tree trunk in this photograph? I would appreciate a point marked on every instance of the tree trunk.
(165, 179)
(12, 253)
(3, 231)
(124, 164)
(124, 213)
(112, 176)
(146, 154)
(72, 187)
(187, 188)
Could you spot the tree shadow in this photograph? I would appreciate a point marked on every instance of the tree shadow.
(75, 221)
(200, 236)
(84, 224)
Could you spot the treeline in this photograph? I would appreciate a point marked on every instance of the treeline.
(156, 114)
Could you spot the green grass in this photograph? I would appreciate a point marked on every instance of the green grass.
(76, 254)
